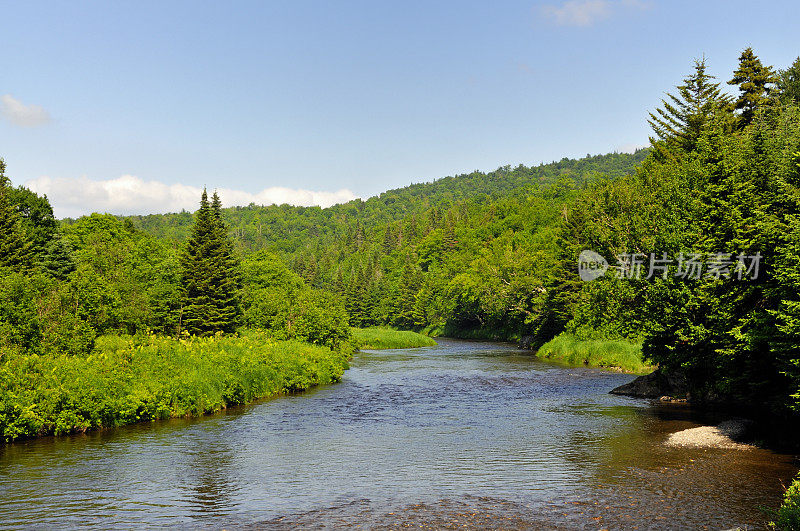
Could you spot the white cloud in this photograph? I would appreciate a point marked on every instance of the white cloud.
(22, 115)
(587, 12)
(131, 195)
(630, 148)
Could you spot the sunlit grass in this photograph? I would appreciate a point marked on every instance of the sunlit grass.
(620, 354)
(126, 380)
(385, 338)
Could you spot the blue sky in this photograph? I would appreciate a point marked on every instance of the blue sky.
(130, 107)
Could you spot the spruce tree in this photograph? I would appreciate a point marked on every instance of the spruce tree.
(210, 274)
(679, 123)
(756, 85)
(57, 258)
(789, 83)
(15, 248)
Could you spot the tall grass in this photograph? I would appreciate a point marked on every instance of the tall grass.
(127, 380)
(385, 338)
(619, 354)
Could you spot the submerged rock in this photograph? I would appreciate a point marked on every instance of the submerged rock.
(657, 384)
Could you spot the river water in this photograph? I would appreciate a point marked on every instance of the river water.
(465, 433)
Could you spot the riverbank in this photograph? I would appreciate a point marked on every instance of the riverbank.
(621, 355)
(395, 419)
(387, 338)
(134, 379)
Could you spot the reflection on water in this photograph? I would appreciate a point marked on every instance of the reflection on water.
(471, 434)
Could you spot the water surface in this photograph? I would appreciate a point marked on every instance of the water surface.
(474, 434)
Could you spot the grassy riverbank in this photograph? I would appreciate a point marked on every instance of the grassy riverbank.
(619, 354)
(385, 338)
(126, 380)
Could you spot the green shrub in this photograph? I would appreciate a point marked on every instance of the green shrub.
(278, 300)
(788, 516)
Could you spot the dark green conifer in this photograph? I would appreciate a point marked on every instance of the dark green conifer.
(57, 258)
(789, 83)
(15, 247)
(756, 85)
(210, 275)
(680, 121)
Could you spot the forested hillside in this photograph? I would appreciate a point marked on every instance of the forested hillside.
(285, 228)
(427, 256)
(479, 255)
(494, 255)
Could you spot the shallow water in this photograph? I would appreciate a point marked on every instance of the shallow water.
(474, 434)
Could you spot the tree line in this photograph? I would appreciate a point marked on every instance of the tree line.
(476, 255)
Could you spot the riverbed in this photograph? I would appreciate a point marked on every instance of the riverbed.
(462, 434)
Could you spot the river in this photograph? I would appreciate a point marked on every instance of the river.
(463, 433)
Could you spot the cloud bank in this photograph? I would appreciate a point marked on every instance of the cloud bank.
(22, 115)
(630, 147)
(584, 13)
(131, 195)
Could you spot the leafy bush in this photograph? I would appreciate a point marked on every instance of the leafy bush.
(788, 516)
(145, 378)
(278, 300)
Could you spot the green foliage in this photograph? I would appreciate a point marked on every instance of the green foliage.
(789, 83)
(756, 85)
(489, 255)
(680, 121)
(209, 274)
(618, 354)
(145, 378)
(788, 516)
(15, 247)
(386, 338)
(278, 300)
(36, 217)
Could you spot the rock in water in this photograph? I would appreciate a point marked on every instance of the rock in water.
(724, 435)
(655, 385)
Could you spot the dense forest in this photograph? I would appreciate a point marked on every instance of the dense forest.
(483, 255)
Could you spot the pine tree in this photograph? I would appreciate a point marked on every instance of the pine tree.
(755, 85)
(210, 275)
(679, 123)
(15, 248)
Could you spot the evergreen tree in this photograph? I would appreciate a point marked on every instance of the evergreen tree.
(389, 239)
(408, 287)
(57, 258)
(789, 83)
(679, 123)
(210, 275)
(36, 217)
(755, 85)
(449, 240)
(15, 248)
